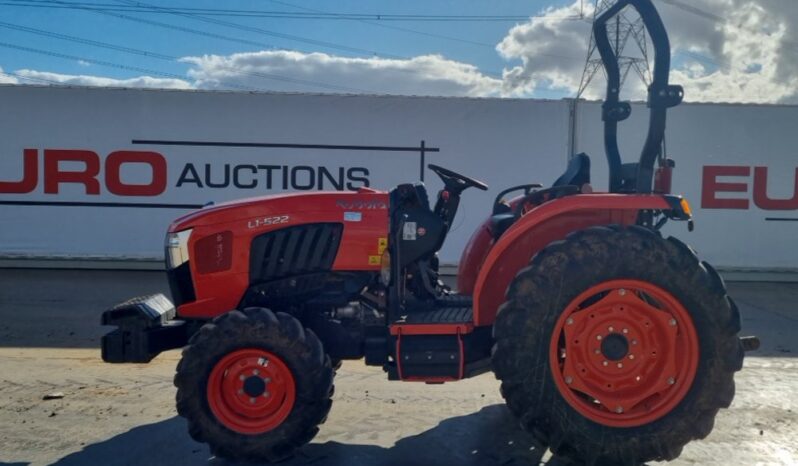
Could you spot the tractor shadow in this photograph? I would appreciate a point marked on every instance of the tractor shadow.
(487, 437)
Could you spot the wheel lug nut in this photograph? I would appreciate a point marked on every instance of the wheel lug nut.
(252, 401)
(255, 372)
(569, 380)
(631, 356)
(619, 409)
(626, 330)
(620, 365)
(611, 328)
(634, 342)
(569, 321)
(597, 351)
(240, 391)
(267, 380)
(671, 381)
(598, 337)
(605, 363)
(672, 322)
(265, 394)
(622, 292)
(242, 377)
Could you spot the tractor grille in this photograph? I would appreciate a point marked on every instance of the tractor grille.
(294, 251)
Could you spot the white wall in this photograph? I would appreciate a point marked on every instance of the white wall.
(701, 135)
(502, 142)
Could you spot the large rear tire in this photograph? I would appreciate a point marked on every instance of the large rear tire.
(254, 385)
(616, 346)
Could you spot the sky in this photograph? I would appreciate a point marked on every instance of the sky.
(723, 50)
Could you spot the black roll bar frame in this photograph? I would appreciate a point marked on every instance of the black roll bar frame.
(661, 95)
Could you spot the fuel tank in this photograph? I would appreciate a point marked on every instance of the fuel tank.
(233, 244)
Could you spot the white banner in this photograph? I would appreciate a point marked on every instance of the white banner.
(102, 172)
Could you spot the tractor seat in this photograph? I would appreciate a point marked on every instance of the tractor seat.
(500, 223)
(412, 194)
(576, 175)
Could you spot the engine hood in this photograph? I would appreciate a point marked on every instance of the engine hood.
(282, 204)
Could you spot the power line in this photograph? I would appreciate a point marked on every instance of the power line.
(87, 7)
(91, 60)
(315, 15)
(91, 7)
(246, 28)
(494, 74)
(114, 65)
(177, 28)
(398, 28)
(257, 30)
(159, 56)
(722, 63)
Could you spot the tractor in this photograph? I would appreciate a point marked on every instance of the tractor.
(612, 343)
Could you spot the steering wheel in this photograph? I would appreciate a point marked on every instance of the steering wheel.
(456, 182)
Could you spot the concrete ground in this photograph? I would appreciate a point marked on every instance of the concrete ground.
(124, 414)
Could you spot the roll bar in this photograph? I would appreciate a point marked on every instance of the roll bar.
(661, 96)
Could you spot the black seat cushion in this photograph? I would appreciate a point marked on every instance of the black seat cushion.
(499, 223)
(577, 173)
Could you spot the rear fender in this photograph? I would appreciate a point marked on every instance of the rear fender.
(550, 222)
(473, 257)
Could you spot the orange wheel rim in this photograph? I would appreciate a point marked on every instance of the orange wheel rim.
(624, 353)
(251, 391)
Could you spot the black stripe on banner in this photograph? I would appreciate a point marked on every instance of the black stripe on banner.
(156, 142)
(140, 205)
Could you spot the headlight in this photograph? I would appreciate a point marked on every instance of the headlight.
(385, 271)
(177, 248)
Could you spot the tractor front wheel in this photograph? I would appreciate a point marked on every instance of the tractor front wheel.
(616, 346)
(254, 385)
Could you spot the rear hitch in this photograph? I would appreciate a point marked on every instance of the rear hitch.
(146, 327)
(749, 343)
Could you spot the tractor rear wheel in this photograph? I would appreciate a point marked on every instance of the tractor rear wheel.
(616, 346)
(254, 385)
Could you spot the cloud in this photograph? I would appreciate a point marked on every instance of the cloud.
(297, 71)
(87, 80)
(551, 49)
(6, 78)
(725, 50)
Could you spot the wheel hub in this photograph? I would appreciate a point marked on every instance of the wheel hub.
(624, 353)
(254, 386)
(615, 347)
(251, 391)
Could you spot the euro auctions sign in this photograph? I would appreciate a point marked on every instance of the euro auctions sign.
(745, 187)
(86, 172)
(101, 173)
(89, 176)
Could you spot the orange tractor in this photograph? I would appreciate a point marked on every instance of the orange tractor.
(612, 343)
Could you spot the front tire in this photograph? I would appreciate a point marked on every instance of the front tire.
(254, 385)
(617, 346)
